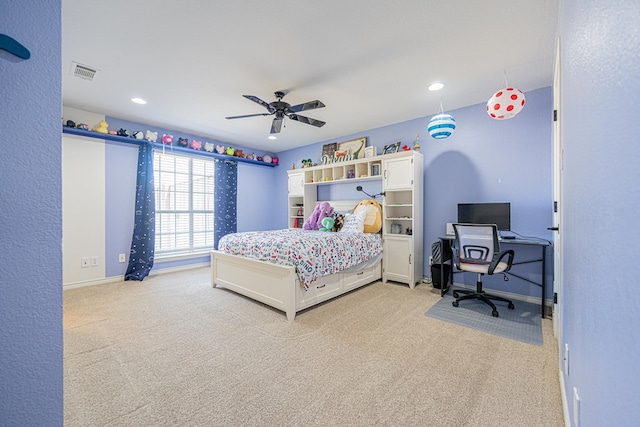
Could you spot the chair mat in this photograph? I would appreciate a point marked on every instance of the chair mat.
(521, 324)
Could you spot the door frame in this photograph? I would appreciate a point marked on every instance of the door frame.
(558, 166)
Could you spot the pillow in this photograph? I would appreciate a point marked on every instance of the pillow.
(353, 223)
(373, 215)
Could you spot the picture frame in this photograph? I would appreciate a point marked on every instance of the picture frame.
(355, 147)
(370, 151)
(329, 149)
(391, 148)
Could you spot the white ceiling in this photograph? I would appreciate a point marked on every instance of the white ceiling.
(369, 62)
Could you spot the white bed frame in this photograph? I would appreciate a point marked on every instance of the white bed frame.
(279, 286)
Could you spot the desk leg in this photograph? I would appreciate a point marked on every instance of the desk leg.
(544, 277)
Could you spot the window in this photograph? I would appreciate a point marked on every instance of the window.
(184, 204)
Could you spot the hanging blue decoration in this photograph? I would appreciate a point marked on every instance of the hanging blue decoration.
(441, 126)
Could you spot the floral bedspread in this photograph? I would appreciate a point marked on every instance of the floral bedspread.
(313, 253)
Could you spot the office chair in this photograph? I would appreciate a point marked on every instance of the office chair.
(476, 248)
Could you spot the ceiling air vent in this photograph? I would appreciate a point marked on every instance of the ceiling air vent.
(82, 71)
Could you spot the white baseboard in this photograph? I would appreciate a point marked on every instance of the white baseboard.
(113, 279)
(565, 403)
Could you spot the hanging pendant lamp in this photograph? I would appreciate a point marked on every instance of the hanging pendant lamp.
(505, 103)
(441, 125)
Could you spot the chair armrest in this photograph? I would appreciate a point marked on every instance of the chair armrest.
(498, 258)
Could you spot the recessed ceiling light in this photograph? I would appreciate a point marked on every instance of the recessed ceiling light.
(138, 101)
(436, 86)
(272, 137)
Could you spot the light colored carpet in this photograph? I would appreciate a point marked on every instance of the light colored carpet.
(523, 323)
(172, 351)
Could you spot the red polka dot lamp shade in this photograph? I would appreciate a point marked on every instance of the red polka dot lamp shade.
(505, 103)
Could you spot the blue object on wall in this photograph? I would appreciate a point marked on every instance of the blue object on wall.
(144, 231)
(11, 45)
(225, 199)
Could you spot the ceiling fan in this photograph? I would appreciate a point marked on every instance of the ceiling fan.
(282, 109)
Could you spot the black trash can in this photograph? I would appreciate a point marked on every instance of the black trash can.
(439, 255)
(435, 275)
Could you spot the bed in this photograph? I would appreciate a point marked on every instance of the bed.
(292, 269)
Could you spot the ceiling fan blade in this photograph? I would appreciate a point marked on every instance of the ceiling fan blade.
(311, 105)
(276, 125)
(260, 101)
(307, 120)
(249, 115)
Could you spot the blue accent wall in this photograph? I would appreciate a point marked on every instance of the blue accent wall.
(600, 42)
(485, 160)
(31, 354)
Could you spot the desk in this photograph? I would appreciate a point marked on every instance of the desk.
(543, 244)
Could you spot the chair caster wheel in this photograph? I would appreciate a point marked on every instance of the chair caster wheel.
(455, 294)
(454, 303)
(494, 313)
(511, 306)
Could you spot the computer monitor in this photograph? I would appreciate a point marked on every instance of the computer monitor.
(486, 213)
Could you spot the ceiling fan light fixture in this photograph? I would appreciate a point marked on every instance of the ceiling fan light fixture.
(435, 86)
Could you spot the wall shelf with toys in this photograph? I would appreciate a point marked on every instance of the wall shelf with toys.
(170, 148)
(354, 170)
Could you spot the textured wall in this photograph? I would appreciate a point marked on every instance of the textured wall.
(600, 127)
(31, 373)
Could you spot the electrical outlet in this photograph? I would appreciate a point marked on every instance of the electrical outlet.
(94, 261)
(84, 263)
(122, 258)
(566, 359)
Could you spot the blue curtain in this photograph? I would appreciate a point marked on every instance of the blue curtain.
(225, 196)
(144, 232)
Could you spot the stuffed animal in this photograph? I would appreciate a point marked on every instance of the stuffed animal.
(196, 145)
(137, 134)
(327, 224)
(338, 222)
(103, 127)
(167, 139)
(238, 153)
(183, 142)
(230, 151)
(123, 132)
(274, 160)
(220, 149)
(151, 136)
(320, 212)
(112, 132)
(373, 212)
(209, 147)
(82, 126)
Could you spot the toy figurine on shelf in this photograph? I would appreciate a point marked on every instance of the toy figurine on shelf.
(406, 148)
(102, 127)
(416, 144)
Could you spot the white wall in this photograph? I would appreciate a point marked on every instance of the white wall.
(83, 203)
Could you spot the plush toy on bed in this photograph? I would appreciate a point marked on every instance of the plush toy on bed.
(327, 224)
(320, 212)
(373, 212)
(338, 222)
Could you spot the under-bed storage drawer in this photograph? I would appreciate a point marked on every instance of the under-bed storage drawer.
(362, 277)
(322, 289)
